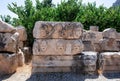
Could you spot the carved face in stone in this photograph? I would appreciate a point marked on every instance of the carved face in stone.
(77, 32)
(76, 47)
(43, 46)
(60, 47)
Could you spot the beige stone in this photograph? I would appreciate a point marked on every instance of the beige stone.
(6, 28)
(92, 36)
(50, 69)
(57, 47)
(108, 44)
(55, 30)
(110, 33)
(110, 61)
(8, 42)
(8, 63)
(20, 58)
(22, 33)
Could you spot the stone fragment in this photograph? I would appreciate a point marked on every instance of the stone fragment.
(22, 32)
(109, 62)
(108, 45)
(21, 58)
(57, 47)
(6, 28)
(8, 42)
(86, 62)
(110, 33)
(8, 63)
(55, 30)
(37, 69)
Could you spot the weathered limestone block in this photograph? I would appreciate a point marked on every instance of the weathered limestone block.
(110, 33)
(8, 42)
(55, 30)
(57, 47)
(37, 69)
(92, 36)
(87, 63)
(22, 32)
(8, 63)
(6, 28)
(108, 44)
(88, 46)
(109, 62)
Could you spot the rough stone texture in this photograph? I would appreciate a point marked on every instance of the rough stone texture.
(10, 41)
(108, 44)
(109, 62)
(67, 30)
(110, 33)
(6, 28)
(86, 62)
(23, 35)
(57, 47)
(8, 63)
(7, 43)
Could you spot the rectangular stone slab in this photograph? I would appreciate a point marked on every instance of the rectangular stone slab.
(55, 69)
(57, 47)
(7, 43)
(8, 63)
(57, 30)
(50, 57)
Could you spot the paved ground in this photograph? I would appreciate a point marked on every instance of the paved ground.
(24, 74)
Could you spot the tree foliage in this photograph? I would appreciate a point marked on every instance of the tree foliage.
(67, 10)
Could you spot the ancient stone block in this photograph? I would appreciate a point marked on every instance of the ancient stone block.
(55, 30)
(22, 33)
(8, 63)
(109, 61)
(92, 36)
(86, 62)
(110, 33)
(6, 28)
(57, 47)
(38, 69)
(108, 44)
(8, 42)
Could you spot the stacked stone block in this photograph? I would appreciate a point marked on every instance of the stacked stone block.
(9, 48)
(55, 45)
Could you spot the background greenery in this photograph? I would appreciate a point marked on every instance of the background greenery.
(71, 10)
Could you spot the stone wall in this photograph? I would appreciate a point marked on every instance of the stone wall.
(11, 42)
(66, 46)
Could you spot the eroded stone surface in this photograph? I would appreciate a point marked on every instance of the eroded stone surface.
(8, 63)
(23, 34)
(8, 42)
(67, 30)
(57, 47)
(6, 28)
(109, 62)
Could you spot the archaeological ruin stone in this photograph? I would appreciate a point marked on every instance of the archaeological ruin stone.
(6, 28)
(11, 42)
(8, 63)
(85, 62)
(56, 30)
(109, 62)
(55, 45)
